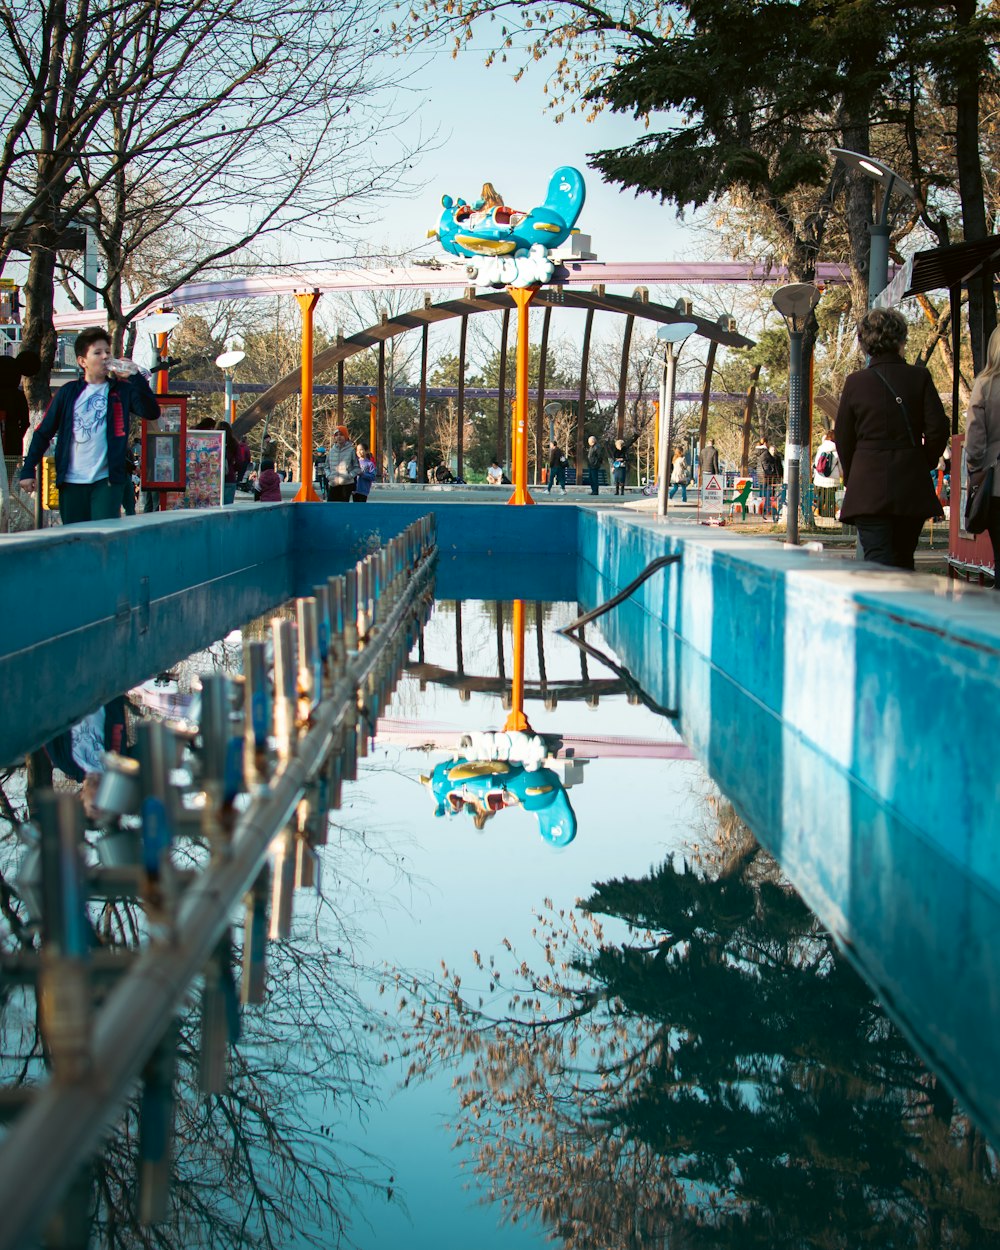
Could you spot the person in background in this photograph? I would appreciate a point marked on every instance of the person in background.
(267, 488)
(443, 474)
(890, 430)
(243, 459)
(982, 437)
(557, 468)
(89, 419)
(709, 460)
(494, 474)
(319, 469)
(130, 491)
(619, 466)
(342, 467)
(411, 469)
(680, 475)
(232, 453)
(826, 475)
(595, 458)
(366, 475)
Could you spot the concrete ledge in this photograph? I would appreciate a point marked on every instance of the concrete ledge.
(841, 709)
(92, 609)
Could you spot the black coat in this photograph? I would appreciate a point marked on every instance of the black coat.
(887, 473)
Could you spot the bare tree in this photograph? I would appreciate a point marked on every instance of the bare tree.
(219, 119)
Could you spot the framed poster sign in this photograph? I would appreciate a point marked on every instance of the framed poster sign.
(205, 471)
(162, 465)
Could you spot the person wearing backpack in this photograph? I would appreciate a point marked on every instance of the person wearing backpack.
(826, 475)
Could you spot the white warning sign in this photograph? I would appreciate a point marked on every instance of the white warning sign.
(711, 495)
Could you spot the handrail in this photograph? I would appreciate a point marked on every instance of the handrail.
(659, 563)
(63, 1123)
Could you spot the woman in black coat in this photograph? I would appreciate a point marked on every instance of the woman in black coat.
(891, 429)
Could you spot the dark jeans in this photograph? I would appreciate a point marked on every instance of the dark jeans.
(557, 477)
(128, 498)
(619, 481)
(993, 529)
(889, 540)
(89, 501)
(679, 486)
(357, 497)
(340, 494)
(595, 481)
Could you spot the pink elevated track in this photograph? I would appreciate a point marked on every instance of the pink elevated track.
(439, 274)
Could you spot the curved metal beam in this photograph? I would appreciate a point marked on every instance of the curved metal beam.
(447, 310)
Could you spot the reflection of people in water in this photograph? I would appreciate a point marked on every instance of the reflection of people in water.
(78, 751)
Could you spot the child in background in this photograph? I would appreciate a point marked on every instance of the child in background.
(363, 482)
(267, 488)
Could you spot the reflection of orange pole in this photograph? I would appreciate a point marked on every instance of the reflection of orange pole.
(307, 305)
(373, 427)
(516, 719)
(162, 381)
(522, 297)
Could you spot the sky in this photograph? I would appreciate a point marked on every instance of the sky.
(482, 126)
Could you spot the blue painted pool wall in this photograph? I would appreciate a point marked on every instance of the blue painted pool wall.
(850, 715)
(490, 550)
(96, 608)
(93, 609)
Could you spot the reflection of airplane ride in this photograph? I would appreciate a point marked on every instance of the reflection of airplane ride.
(515, 767)
(483, 787)
(497, 230)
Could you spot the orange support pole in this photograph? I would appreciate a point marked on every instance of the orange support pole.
(162, 381)
(307, 306)
(516, 719)
(522, 297)
(373, 427)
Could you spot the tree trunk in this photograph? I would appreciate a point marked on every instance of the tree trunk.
(39, 300)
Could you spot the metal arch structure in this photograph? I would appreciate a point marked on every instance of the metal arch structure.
(468, 305)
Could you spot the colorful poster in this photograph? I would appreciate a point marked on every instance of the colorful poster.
(206, 468)
(170, 417)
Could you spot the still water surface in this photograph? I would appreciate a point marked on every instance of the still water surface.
(474, 1038)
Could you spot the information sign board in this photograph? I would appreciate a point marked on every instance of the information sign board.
(711, 493)
(162, 465)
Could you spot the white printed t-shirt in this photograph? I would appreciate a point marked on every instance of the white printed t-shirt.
(88, 461)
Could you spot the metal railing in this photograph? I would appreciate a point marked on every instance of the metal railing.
(288, 741)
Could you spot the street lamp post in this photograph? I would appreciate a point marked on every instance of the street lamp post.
(227, 362)
(673, 337)
(795, 302)
(890, 182)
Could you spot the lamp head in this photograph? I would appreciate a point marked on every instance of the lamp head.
(553, 409)
(160, 323)
(229, 360)
(874, 168)
(676, 331)
(795, 302)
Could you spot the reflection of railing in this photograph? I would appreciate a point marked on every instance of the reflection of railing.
(657, 564)
(301, 739)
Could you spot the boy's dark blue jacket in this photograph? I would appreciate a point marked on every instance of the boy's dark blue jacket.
(123, 398)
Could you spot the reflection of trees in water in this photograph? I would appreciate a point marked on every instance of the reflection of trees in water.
(267, 1163)
(264, 1164)
(714, 1075)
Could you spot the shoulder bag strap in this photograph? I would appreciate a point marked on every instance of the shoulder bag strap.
(899, 400)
